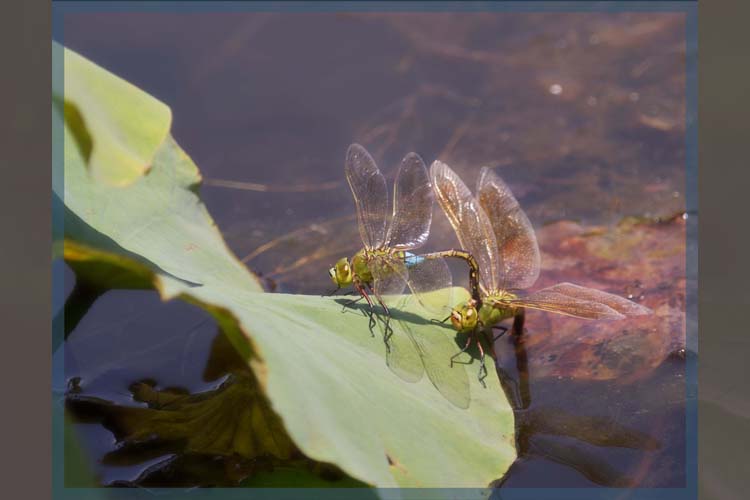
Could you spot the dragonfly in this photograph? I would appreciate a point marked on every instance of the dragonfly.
(494, 229)
(386, 266)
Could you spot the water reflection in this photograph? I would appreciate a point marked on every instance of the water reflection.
(612, 434)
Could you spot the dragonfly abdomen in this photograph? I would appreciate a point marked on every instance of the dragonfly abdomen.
(470, 260)
(411, 259)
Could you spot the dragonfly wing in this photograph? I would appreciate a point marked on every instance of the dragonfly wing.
(430, 282)
(516, 240)
(412, 205)
(389, 281)
(402, 356)
(470, 222)
(370, 195)
(621, 305)
(435, 346)
(389, 277)
(552, 301)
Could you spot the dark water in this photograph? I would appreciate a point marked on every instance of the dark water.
(582, 114)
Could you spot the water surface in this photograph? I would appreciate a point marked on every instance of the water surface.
(582, 114)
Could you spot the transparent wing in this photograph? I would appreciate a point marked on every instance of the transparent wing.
(550, 301)
(581, 302)
(412, 205)
(402, 355)
(389, 277)
(622, 305)
(389, 281)
(414, 345)
(435, 346)
(516, 241)
(370, 195)
(469, 221)
(430, 282)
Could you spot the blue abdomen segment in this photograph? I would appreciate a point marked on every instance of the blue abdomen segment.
(412, 260)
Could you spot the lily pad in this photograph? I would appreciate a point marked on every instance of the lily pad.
(327, 378)
(325, 375)
(119, 126)
(159, 221)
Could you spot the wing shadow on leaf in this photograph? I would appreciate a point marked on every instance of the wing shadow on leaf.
(415, 345)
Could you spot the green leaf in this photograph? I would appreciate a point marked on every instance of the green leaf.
(328, 380)
(117, 126)
(339, 392)
(159, 221)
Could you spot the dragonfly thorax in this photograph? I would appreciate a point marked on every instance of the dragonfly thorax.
(362, 260)
(345, 271)
(491, 313)
(360, 265)
(495, 308)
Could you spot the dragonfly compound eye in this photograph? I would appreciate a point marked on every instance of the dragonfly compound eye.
(456, 320)
(341, 273)
(468, 317)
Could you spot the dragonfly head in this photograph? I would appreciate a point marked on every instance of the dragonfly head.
(341, 273)
(465, 316)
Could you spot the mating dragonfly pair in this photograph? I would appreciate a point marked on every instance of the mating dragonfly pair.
(497, 242)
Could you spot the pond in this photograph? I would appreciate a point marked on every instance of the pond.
(582, 114)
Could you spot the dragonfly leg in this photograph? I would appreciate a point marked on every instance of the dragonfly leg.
(468, 343)
(369, 312)
(503, 332)
(440, 321)
(363, 295)
(482, 368)
(388, 329)
(518, 320)
(380, 301)
(333, 292)
(371, 322)
(350, 303)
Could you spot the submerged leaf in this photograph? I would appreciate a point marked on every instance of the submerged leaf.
(232, 420)
(640, 260)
